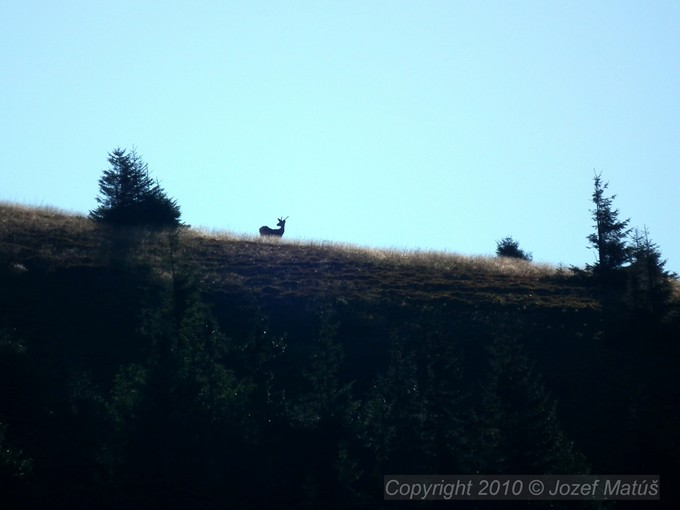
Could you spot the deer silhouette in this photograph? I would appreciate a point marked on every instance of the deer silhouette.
(277, 232)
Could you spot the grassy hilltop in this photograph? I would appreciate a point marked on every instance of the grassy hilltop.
(197, 368)
(54, 240)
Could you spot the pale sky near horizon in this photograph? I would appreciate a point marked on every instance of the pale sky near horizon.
(436, 125)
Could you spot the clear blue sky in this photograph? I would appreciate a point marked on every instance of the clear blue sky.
(426, 124)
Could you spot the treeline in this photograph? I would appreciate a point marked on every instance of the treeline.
(153, 401)
(129, 389)
(628, 265)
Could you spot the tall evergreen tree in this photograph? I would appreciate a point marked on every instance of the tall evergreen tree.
(518, 421)
(445, 425)
(181, 421)
(15, 472)
(649, 284)
(327, 416)
(394, 414)
(609, 238)
(129, 196)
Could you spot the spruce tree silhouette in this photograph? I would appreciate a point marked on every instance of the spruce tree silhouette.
(130, 197)
(508, 247)
(609, 238)
(649, 286)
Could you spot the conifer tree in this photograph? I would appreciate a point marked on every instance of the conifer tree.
(445, 425)
(649, 284)
(129, 196)
(394, 414)
(180, 420)
(15, 470)
(327, 413)
(609, 238)
(518, 420)
(508, 247)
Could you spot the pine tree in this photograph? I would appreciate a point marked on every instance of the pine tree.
(508, 247)
(129, 196)
(394, 414)
(181, 421)
(16, 376)
(649, 284)
(327, 416)
(609, 238)
(519, 429)
(15, 472)
(446, 418)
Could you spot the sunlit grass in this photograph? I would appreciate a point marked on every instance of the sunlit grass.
(20, 220)
(394, 257)
(41, 216)
(17, 218)
(45, 237)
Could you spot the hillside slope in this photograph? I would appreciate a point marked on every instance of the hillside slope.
(140, 368)
(51, 239)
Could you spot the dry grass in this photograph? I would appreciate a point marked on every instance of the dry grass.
(45, 235)
(437, 260)
(344, 271)
(18, 216)
(280, 268)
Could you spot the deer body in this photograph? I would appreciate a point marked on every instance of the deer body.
(277, 232)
